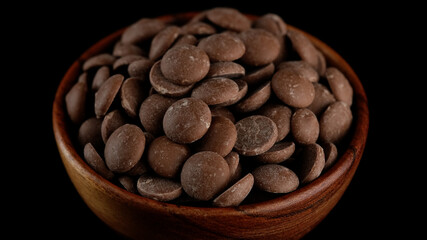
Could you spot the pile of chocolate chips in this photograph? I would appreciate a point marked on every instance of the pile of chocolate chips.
(215, 110)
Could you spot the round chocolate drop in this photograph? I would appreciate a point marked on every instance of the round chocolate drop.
(204, 175)
(185, 64)
(187, 120)
(124, 148)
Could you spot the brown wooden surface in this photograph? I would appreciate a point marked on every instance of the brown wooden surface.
(287, 217)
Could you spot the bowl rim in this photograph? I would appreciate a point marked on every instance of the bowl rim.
(346, 164)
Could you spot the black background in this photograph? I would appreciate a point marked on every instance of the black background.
(45, 40)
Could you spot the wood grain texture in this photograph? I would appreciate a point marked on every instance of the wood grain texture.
(287, 217)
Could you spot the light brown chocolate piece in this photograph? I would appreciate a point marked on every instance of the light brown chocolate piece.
(259, 75)
(304, 47)
(222, 47)
(215, 91)
(233, 161)
(243, 90)
(335, 122)
(187, 120)
(293, 88)
(164, 86)
(123, 62)
(304, 126)
(256, 134)
(104, 97)
(166, 157)
(124, 148)
(127, 183)
(322, 99)
(262, 47)
(162, 41)
(132, 93)
(235, 194)
(103, 59)
(140, 68)
(197, 28)
(303, 67)
(313, 161)
(204, 175)
(228, 18)
(111, 122)
(75, 102)
(122, 49)
(223, 112)
(141, 30)
(340, 85)
(157, 188)
(141, 166)
(96, 162)
(185, 39)
(255, 99)
(226, 69)
(185, 64)
(281, 116)
(331, 154)
(280, 152)
(275, 178)
(151, 112)
(272, 23)
(220, 137)
(90, 132)
(101, 75)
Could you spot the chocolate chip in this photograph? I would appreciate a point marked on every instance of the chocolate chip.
(96, 162)
(187, 120)
(215, 91)
(255, 135)
(111, 122)
(280, 152)
(313, 161)
(275, 178)
(228, 18)
(262, 47)
(104, 97)
(222, 47)
(304, 126)
(235, 194)
(185, 64)
(204, 175)
(166, 157)
(335, 122)
(340, 86)
(152, 111)
(161, 189)
(124, 148)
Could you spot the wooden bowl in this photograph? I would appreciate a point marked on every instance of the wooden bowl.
(290, 216)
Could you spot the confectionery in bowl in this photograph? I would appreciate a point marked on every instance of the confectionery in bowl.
(216, 110)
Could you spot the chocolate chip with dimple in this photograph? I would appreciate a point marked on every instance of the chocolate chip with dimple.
(166, 157)
(235, 194)
(187, 120)
(185, 64)
(226, 69)
(275, 178)
(104, 97)
(161, 189)
(256, 134)
(204, 175)
(124, 148)
(255, 99)
(142, 30)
